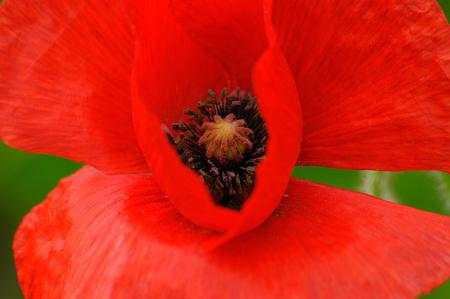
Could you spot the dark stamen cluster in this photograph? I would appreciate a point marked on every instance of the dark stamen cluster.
(230, 181)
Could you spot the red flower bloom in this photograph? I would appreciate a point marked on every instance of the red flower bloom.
(358, 85)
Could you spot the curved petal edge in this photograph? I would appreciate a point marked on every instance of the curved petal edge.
(65, 70)
(100, 236)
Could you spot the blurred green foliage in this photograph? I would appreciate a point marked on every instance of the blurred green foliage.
(26, 178)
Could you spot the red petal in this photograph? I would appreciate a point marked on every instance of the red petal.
(279, 104)
(373, 79)
(65, 81)
(167, 82)
(232, 31)
(171, 74)
(100, 236)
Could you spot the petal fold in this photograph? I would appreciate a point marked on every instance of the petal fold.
(168, 82)
(232, 31)
(172, 73)
(65, 70)
(280, 106)
(100, 236)
(373, 79)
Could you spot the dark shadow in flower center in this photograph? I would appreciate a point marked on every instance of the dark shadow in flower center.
(223, 141)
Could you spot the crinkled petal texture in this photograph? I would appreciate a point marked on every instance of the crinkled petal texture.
(174, 70)
(373, 79)
(100, 236)
(65, 69)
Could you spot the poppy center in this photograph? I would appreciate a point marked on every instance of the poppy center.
(223, 140)
(226, 139)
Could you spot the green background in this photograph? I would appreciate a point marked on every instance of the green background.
(25, 179)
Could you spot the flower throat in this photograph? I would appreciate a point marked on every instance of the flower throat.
(223, 141)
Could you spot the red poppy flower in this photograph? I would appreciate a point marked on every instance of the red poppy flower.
(348, 84)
